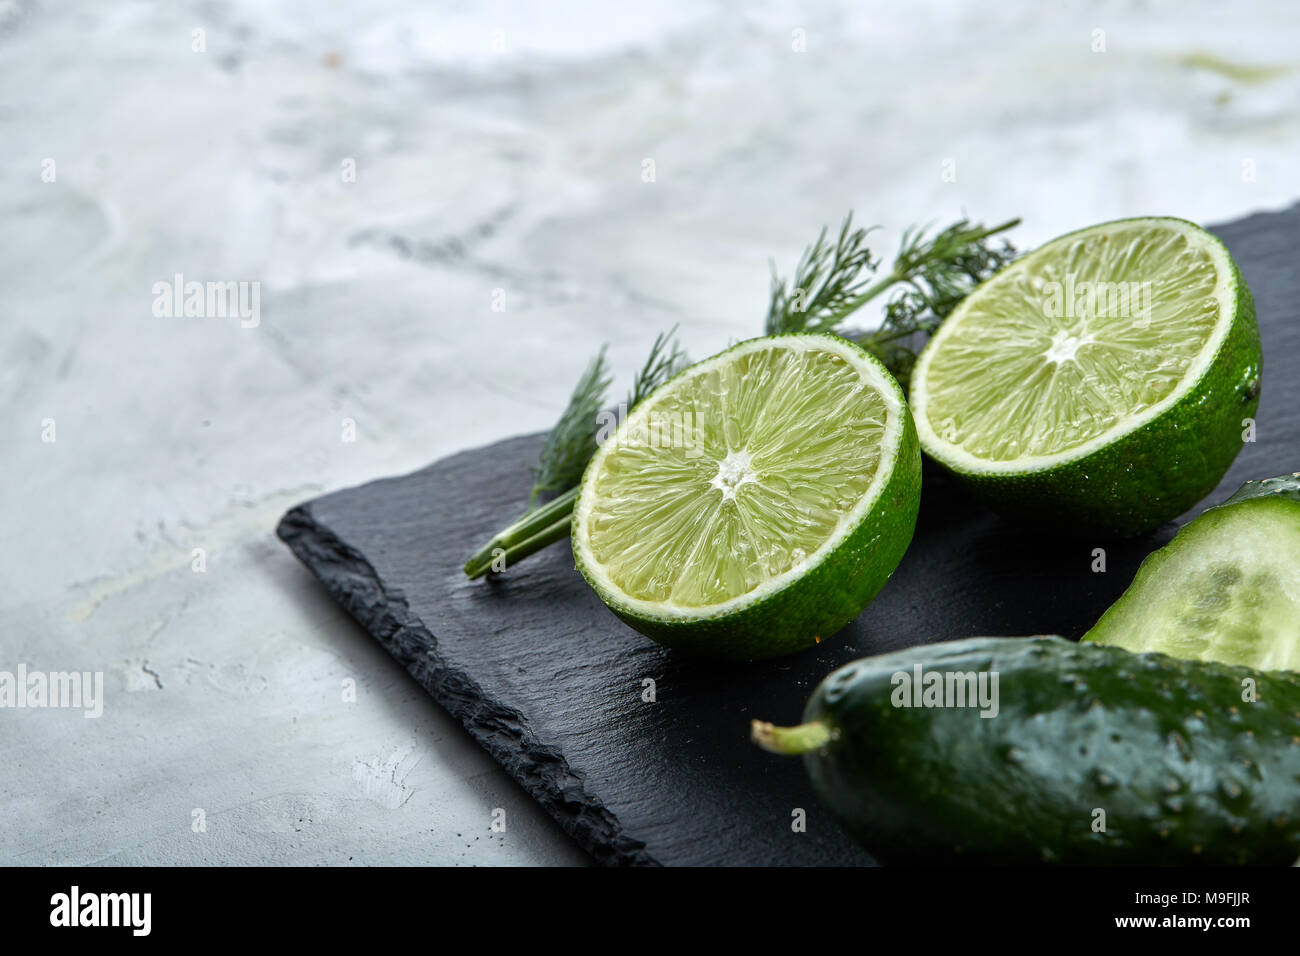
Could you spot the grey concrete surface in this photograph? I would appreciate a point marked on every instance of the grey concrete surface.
(500, 154)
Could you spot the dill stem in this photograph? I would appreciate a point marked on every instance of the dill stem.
(534, 531)
(867, 294)
(897, 275)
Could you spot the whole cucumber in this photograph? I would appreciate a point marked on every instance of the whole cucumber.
(1028, 750)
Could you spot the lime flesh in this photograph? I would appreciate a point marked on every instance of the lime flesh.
(765, 484)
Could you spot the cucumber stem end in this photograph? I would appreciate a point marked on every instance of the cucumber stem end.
(790, 741)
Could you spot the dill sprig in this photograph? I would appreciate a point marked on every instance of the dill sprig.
(665, 360)
(572, 441)
(827, 278)
(936, 272)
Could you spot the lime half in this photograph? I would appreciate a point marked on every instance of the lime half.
(1103, 381)
(757, 502)
(1226, 588)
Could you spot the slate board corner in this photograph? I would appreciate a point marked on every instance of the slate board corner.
(541, 770)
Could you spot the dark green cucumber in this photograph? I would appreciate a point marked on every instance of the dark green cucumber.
(1096, 755)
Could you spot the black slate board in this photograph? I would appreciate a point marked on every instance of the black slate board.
(550, 682)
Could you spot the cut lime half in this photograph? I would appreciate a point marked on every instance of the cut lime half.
(1103, 381)
(755, 503)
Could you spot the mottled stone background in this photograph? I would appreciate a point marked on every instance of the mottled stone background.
(496, 147)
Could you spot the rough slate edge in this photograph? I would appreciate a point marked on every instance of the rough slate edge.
(540, 769)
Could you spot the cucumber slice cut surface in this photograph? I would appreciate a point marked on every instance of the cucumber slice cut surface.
(1226, 588)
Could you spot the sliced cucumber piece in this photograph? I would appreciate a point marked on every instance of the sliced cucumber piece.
(1226, 588)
